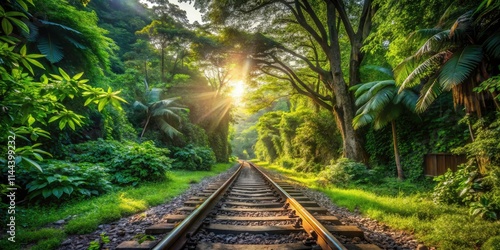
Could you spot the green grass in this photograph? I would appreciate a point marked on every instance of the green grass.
(442, 226)
(90, 213)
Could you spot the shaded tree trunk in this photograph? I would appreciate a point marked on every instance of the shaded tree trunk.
(396, 151)
(344, 108)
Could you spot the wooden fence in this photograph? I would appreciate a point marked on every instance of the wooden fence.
(438, 164)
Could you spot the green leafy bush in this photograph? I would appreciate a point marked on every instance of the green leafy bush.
(193, 158)
(468, 187)
(286, 162)
(127, 162)
(345, 171)
(135, 163)
(451, 185)
(64, 180)
(94, 151)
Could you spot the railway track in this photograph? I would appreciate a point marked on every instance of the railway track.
(250, 211)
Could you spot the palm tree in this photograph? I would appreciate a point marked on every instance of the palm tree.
(380, 103)
(457, 58)
(161, 111)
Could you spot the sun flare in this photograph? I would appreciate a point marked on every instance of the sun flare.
(237, 89)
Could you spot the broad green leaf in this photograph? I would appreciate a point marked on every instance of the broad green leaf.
(35, 62)
(23, 50)
(46, 193)
(7, 26)
(68, 190)
(58, 192)
(27, 65)
(19, 24)
(33, 163)
(62, 123)
(78, 76)
(102, 103)
(50, 49)
(53, 118)
(71, 124)
(31, 120)
(64, 74)
(51, 179)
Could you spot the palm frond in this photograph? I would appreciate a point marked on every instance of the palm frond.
(381, 99)
(368, 90)
(168, 102)
(435, 44)
(463, 22)
(139, 106)
(380, 69)
(362, 87)
(387, 115)
(460, 66)
(404, 69)
(492, 46)
(408, 98)
(423, 34)
(362, 120)
(423, 70)
(381, 85)
(167, 128)
(154, 95)
(52, 51)
(167, 112)
(428, 94)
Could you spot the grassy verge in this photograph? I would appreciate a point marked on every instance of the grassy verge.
(89, 214)
(442, 226)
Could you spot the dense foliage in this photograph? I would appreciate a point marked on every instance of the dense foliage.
(193, 158)
(344, 172)
(63, 180)
(128, 163)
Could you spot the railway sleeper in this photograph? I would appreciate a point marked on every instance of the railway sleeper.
(220, 246)
(233, 229)
(251, 204)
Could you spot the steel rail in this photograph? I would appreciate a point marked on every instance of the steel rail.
(178, 237)
(323, 237)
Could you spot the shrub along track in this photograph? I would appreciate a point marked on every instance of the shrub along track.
(251, 211)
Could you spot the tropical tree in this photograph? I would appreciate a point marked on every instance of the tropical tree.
(168, 34)
(324, 37)
(456, 57)
(69, 37)
(28, 105)
(164, 112)
(380, 103)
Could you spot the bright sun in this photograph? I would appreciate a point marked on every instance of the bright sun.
(238, 89)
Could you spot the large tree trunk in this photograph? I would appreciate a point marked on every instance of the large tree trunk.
(351, 138)
(344, 108)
